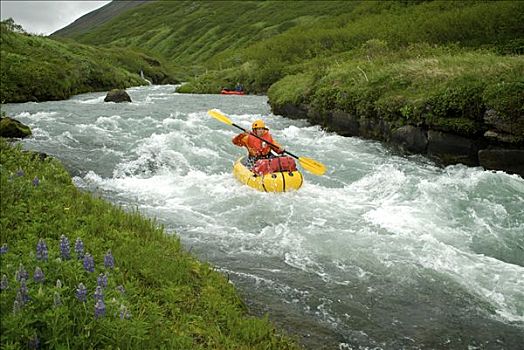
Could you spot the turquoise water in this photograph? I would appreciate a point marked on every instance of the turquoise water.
(384, 251)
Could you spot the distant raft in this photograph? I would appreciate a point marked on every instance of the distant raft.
(278, 181)
(231, 92)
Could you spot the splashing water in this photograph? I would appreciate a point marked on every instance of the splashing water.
(384, 251)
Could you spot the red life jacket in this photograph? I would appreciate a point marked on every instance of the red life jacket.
(255, 146)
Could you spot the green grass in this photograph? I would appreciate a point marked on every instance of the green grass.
(174, 301)
(190, 32)
(35, 68)
(225, 34)
(442, 87)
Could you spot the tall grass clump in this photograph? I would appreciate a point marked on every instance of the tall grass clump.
(79, 273)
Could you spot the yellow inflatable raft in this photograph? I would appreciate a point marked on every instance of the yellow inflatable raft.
(275, 182)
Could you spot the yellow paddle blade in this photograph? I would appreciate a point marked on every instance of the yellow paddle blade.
(312, 166)
(219, 116)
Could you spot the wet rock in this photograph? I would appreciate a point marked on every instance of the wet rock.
(318, 117)
(11, 128)
(498, 137)
(117, 95)
(410, 138)
(452, 149)
(507, 125)
(375, 128)
(508, 160)
(291, 111)
(344, 123)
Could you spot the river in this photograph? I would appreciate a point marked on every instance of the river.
(385, 251)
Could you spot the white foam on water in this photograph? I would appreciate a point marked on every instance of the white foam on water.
(91, 101)
(111, 123)
(39, 133)
(36, 117)
(66, 138)
(93, 129)
(434, 226)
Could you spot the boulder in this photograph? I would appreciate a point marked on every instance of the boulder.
(117, 95)
(452, 149)
(344, 123)
(375, 128)
(508, 160)
(513, 126)
(290, 110)
(11, 128)
(410, 139)
(498, 137)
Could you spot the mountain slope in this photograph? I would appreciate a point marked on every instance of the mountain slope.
(190, 32)
(97, 17)
(211, 32)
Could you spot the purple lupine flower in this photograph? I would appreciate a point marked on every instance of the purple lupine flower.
(34, 342)
(21, 274)
(109, 261)
(81, 292)
(39, 276)
(65, 248)
(20, 173)
(4, 284)
(99, 293)
(102, 280)
(4, 249)
(100, 309)
(36, 181)
(79, 248)
(22, 294)
(89, 263)
(121, 289)
(41, 250)
(57, 300)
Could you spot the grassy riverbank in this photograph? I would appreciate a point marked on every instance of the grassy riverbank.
(153, 293)
(35, 68)
(443, 88)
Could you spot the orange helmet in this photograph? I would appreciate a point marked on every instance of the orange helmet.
(258, 124)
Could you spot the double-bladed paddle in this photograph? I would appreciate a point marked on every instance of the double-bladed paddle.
(309, 164)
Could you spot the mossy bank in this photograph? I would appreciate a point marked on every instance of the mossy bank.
(80, 273)
(453, 105)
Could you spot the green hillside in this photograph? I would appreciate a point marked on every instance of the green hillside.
(97, 17)
(470, 25)
(191, 32)
(35, 68)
